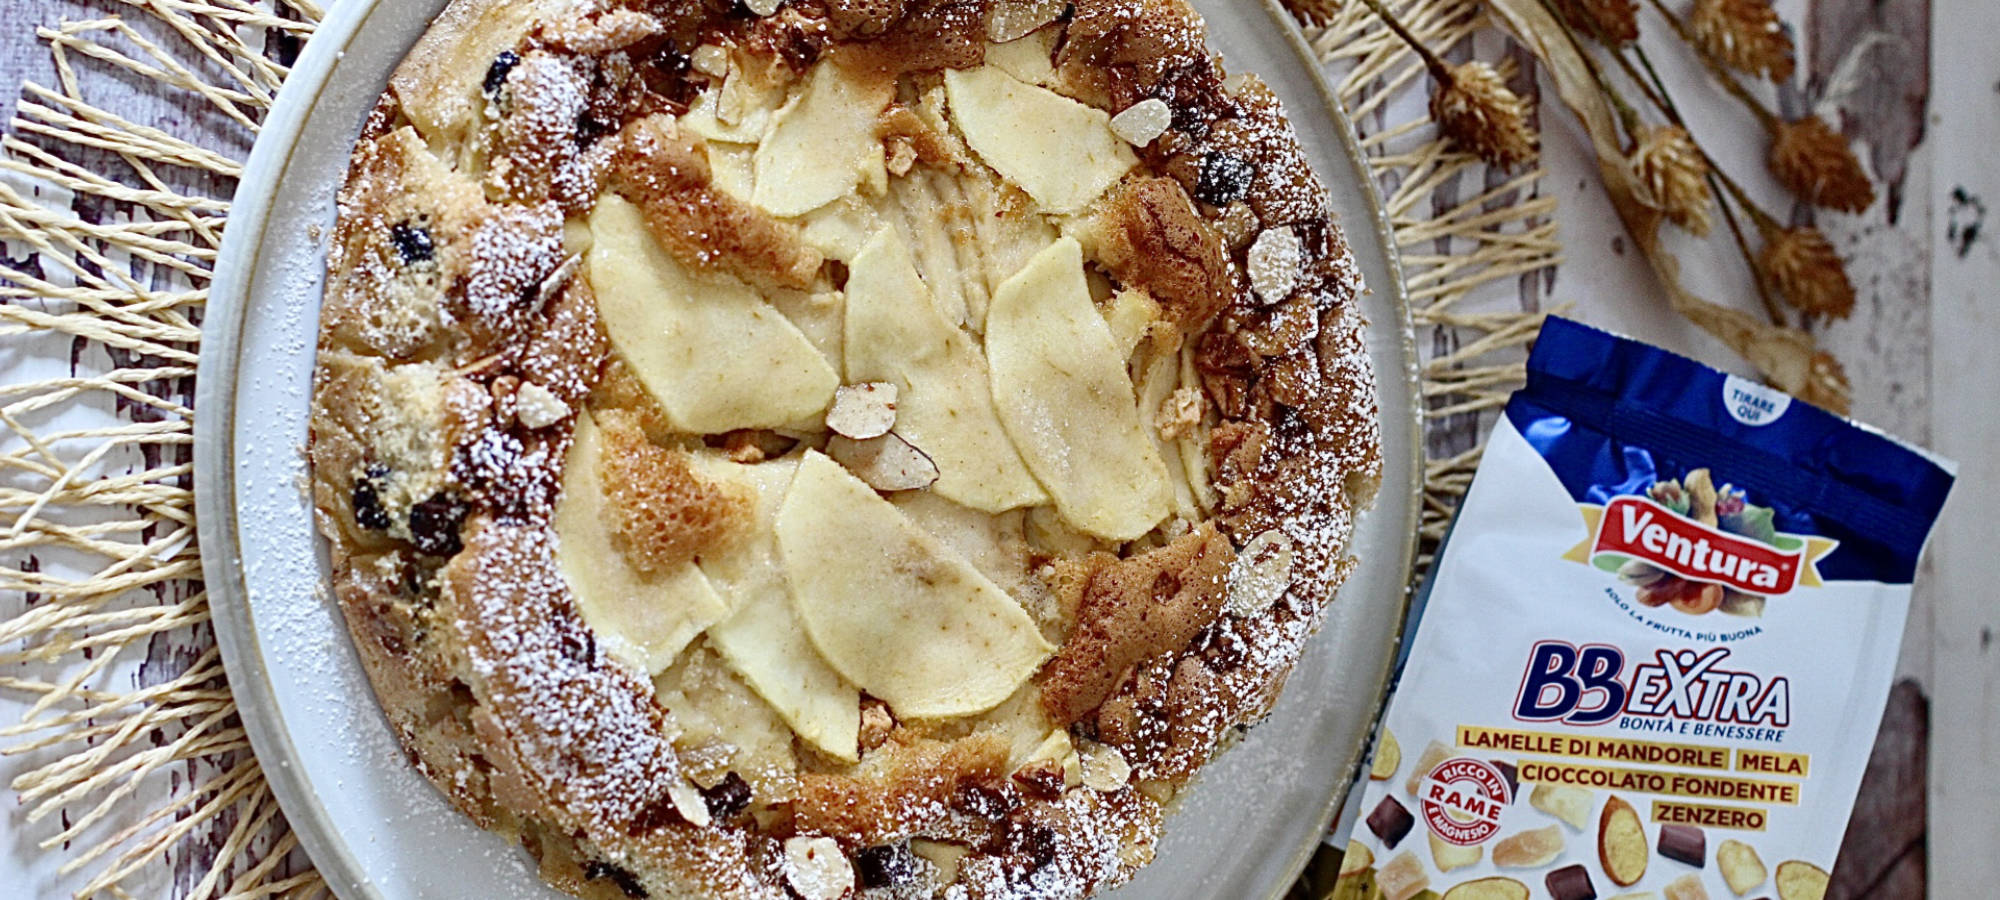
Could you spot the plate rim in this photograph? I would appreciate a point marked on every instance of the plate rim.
(227, 310)
(1399, 299)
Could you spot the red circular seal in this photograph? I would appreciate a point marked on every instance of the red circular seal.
(1462, 799)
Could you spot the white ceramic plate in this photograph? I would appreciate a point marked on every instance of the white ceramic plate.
(375, 828)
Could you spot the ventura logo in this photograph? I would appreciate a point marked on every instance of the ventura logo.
(1640, 528)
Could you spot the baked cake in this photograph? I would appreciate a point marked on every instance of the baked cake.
(873, 448)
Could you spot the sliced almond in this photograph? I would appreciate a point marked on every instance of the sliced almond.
(817, 869)
(1261, 574)
(1621, 843)
(557, 280)
(1388, 757)
(1273, 264)
(1358, 858)
(1537, 847)
(1488, 889)
(1570, 804)
(1180, 413)
(1801, 880)
(941, 856)
(711, 60)
(887, 463)
(689, 803)
(1012, 21)
(1143, 122)
(863, 411)
(1449, 856)
(537, 407)
(763, 7)
(1105, 769)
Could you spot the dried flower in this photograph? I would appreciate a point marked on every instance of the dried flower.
(1826, 384)
(1814, 162)
(1807, 273)
(1745, 34)
(1476, 110)
(1672, 175)
(1614, 22)
(1314, 12)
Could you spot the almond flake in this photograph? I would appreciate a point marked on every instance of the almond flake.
(557, 280)
(1179, 413)
(815, 867)
(1261, 573)
(711, 60)
(763, 7)
(886, 463)
(1274, 264)
(689, 803)
(1105, 769)
(1011, 21)
(862, 411)
(538, 407)
(1143, 122)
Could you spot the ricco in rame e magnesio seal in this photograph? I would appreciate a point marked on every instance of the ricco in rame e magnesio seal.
(1655, 647)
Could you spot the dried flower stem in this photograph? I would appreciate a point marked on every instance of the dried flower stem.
(1471, 103)
(1432, 63)
(1725, 189)
(1722, 75)
(1771, 306)
(1628, 118)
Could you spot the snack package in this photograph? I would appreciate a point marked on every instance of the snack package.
(1656, 645)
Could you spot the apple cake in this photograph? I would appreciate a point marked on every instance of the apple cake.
(875, 448)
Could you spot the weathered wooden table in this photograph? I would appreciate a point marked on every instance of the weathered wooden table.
(1920, 87)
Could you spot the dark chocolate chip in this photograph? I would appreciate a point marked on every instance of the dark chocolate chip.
(434, 524)
(656, 814)
(368, 511)
(496, 74)
(885, 866)
(1513, 777)
(1390, 822)
(1684, 843)
(580, 645)
(664, 72)
(1034, 842)
(984, 801)
(619, 875)
(727, 797)
(1224, 179)
(1570, 883)
(413, 242)
(589, 130)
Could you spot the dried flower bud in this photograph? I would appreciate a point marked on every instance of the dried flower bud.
(1744, 34)
(1826, 384)
(1672, 175)
(1475, 109)
(1814, 162)
(1613, 22)
(1806, 272)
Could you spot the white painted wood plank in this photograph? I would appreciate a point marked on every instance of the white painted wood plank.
(1965, 384)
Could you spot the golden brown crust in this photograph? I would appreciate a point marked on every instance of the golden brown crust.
(1130, 609)
(663, 512)
(1153, 238)
(899, 791)
(665, 172)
